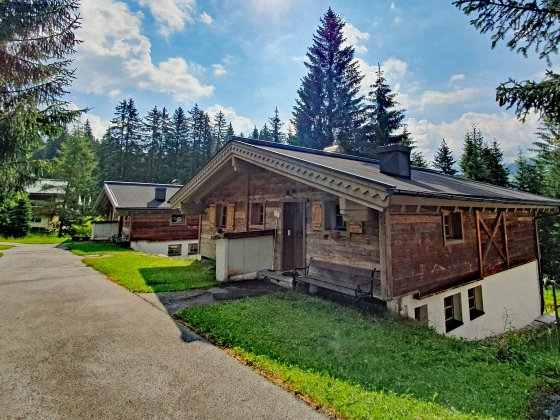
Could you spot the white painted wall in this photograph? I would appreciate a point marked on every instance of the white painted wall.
(510, 298)
(235, 257)
(160, 248)
(103, 231)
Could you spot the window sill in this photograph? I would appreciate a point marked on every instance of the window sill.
(450, 326)
(475, 313)
(453, 241)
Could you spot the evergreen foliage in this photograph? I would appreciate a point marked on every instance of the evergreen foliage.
(329, 106)
(383, 119)
(276, 127)
(255, 133)
(15, 217)
(443, 160)
(482, 161)
(36, 39)
(265, 133)
(75, 165)
(527, 177)
(523, 25)
(416, 156)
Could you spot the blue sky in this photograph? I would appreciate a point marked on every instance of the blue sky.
(245, 57)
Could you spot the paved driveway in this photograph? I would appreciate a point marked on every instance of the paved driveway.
(75, 345)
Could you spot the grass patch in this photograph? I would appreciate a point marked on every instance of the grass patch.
(376, 367)
(37, 239)
(4, 246)
(95, 248)
(141, 272)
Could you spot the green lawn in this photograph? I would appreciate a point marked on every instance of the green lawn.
(95, 248)
(141, 272)
(37, 239)
(4, 246)
(380, 367)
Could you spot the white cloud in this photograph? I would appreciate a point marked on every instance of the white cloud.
(171, 15)
(98, 125)
(355, 37)
(456, 78)
(433, 97)
(113, 93)
(116, 55)
(240, 124)
(397, 12)
(394, 71)
(504, 128)
(206, 18)
(298, 58)
(219, 70)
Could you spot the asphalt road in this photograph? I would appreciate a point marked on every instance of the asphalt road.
(75, 345)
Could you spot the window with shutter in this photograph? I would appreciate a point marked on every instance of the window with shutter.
(212, 215)
(317, 215)
(230, 216)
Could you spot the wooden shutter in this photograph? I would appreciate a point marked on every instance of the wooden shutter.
(230, 217)
(355, 227)
(212, 215)
(317, 215)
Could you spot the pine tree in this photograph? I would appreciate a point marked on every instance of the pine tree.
(416, 156)
(36, 40)
(329, 105)
(472, 162)
(383, 120)
(265, 133)
(275, 127)
(88, 131)
(75, 165)
(443, 160)
(527, 177)
(219, 131)
(230, 133)
(522, 24)
(494, 162)
(152, 138)
(178, 149)
(255, 133)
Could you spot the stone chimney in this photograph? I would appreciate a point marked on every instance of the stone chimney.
(160, 194)
(394, 160)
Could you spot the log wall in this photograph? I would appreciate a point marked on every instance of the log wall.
(422, 262)
(158, 227)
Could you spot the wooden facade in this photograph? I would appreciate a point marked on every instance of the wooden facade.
(159, 226)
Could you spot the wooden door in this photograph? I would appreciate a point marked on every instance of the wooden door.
(293, 241)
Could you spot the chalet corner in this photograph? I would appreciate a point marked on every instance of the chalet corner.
(140, 213)
(457, 255)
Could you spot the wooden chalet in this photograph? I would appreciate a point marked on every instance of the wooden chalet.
(458, 255)
(44, 196)
(139, 213)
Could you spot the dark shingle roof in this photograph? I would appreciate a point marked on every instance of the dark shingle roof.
(423, 182)
(136, 195)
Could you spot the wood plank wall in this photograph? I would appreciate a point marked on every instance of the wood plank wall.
(360, 250)
(421, 262)
(158, 227)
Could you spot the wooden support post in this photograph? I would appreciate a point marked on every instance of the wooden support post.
(386, 271)
(479, 242)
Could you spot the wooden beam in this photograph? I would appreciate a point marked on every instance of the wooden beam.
(479, 243)
(505, 238)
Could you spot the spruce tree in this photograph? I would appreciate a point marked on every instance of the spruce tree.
(255, 133)
(494, 162)
(36, 40)
(152, 138)
(265, 133)
(230, 133)
(329, 106)
(472, 163)
(527, 177)
(179, 148)
(275, 127)
(219, 131)
(383, 119)
(416, 156)
(443, 160)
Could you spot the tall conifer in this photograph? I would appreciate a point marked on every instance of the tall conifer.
(443, 160)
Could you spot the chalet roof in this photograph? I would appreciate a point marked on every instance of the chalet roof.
(46, 187)
(135, 195)
(362, 176)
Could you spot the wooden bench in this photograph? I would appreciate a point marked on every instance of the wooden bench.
(353, 281)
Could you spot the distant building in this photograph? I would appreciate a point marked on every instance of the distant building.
(44, 195)
(140, 213)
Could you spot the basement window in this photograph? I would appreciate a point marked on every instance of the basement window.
(452, 312)
(333, 218)
(177, 219)
(476, 307)
(174, 250)
(452, 227)
(193, 249)
(421, 314)
(257, 215)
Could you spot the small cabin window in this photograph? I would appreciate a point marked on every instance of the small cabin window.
(174, 250)
(421, 314)
(476, 307)
(221, 215)
(452, 312)
(37, 219)
(257, 215)
(177, 219)
(333, 218)
(193, 249)
(452, 226)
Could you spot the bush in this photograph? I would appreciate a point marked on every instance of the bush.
(15, 218)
